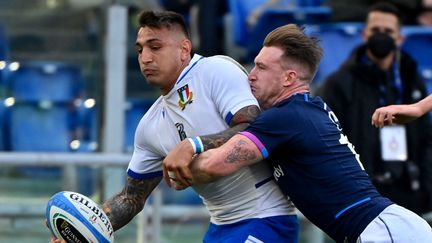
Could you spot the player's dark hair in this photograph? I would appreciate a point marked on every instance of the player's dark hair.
(297, 46)
(163, 19)
(385, 7)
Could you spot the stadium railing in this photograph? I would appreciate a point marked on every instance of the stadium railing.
(149, 221)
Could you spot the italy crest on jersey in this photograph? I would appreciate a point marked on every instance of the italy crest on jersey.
(185, 96)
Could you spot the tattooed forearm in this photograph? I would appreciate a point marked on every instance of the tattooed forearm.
(216, 140)
(121, 208)
(245, 115)
(238, 123)
(240, 153)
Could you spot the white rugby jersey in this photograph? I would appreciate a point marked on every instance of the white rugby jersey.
(205, 97)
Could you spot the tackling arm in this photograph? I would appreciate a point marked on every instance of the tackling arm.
(179, 159)
(238, 123)
(238, 152)
(124, 206)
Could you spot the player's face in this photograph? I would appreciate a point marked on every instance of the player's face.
(384, 23)
(267, 77)
(162, 55)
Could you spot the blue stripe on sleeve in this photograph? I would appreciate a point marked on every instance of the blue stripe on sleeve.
(144, 176)
(228, 118)
(257, 142)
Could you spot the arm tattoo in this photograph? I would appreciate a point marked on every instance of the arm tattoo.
(122, 207)
(238, 123)
(240, 153)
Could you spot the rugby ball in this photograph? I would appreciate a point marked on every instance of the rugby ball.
(75, 218)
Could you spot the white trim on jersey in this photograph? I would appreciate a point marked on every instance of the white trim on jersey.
(252, 239)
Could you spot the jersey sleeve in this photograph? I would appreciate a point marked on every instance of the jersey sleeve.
(270, 130)
(230, 88)
(146, 162)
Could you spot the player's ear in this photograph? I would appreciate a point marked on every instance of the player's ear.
(290, 76)
(186, 48)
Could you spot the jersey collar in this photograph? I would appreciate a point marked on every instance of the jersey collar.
(195, 59)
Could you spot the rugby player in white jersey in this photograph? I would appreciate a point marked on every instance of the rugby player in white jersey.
(207, 97)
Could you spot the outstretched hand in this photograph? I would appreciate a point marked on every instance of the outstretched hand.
(395, 114)
(176, 169)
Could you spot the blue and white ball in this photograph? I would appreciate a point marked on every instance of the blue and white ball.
(75, 218)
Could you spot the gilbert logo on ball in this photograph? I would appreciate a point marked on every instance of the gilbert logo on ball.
(76, 218)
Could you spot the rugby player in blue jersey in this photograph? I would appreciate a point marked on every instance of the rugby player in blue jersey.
(301, 139)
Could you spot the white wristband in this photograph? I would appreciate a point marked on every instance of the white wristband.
(197, 144)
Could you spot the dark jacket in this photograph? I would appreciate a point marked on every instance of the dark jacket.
(352, 92)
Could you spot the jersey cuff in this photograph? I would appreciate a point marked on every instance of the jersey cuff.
(257, 142)
(144, 176)
(228, 118)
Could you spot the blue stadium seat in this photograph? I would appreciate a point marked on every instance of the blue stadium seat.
(85, 124)
(418, 43)
(338, 41)
(135, 110)
(38, 81)
(32, 128)
(39, 129)
(252, 38)
(310, 3)
(86, 121)
(273, 18)
(240, 9)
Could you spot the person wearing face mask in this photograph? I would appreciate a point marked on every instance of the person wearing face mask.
(397, 158)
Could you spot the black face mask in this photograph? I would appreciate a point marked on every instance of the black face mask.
(380, 44)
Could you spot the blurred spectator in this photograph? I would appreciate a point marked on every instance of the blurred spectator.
(180, 6)
(254, 16)
(398, 159)
(210, 26)
(356, 10)
(205, 20)
(425, 15)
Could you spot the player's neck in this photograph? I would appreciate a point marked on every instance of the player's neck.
(171, 84)
(300, 88)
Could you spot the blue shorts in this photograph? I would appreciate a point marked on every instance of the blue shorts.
(271, 229)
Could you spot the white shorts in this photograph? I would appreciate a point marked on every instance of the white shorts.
(397, 225)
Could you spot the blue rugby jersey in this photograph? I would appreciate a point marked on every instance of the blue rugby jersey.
(314, 164)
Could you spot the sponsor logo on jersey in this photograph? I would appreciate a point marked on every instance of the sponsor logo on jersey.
(185, 96)
(277, 172)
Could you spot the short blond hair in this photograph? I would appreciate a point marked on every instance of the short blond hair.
(296, 45)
